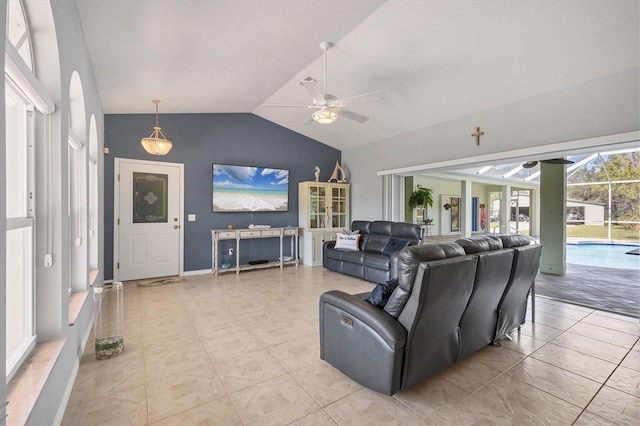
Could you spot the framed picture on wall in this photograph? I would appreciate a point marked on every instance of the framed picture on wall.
(455, 214)
(249, 189)
(450, 214)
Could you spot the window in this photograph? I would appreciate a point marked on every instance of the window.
(18, 31)
(20, 225)
(24, 98)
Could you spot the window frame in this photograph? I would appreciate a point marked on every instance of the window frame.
(27, 222)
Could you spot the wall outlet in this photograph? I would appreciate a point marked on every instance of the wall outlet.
(230, 252)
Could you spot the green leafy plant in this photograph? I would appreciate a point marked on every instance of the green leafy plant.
(421, 197)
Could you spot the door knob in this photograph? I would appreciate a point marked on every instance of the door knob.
(176, 226)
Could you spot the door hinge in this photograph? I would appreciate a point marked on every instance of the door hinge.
(118, 221)
(118, 265)
(118, 177)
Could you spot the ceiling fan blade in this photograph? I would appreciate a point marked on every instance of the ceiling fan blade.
(557, 161)
(367, 97)
(308, 121)
(309, 83)
(529, 164)
(290, 106)
(351, 115)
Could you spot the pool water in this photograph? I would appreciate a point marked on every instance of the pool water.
(603, 255)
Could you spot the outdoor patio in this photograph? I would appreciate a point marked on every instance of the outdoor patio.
(607, 289)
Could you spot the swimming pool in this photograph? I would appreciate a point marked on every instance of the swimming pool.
(603, 255)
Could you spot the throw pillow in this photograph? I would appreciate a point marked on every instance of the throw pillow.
(394, 245)
(379, 296)
(347, 242)
(348, 232)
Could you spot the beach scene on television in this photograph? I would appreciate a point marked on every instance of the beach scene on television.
(250, 189)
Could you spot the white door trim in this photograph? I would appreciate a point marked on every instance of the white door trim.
(116, 208)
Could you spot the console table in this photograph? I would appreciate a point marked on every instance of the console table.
(250, 233)
(426, 231)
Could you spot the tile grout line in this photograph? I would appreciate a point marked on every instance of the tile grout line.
(604, 384)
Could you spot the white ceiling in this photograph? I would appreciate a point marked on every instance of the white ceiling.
(435, 60)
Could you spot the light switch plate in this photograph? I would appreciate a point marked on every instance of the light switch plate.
(191, 218)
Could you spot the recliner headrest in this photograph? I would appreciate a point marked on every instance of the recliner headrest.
(479, 244)
(381, 227)
(410, 258)
(364, 226)
(406, 230)
(513, 240)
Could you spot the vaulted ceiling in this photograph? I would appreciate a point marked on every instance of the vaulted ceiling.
(436, 61)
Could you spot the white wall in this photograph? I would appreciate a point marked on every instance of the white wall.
(547, 123)
(3, 213)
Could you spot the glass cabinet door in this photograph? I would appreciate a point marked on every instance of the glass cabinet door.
(317, 207)
(339, 207)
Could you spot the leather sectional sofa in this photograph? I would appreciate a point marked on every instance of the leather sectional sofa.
(451, 300)
(370, 262)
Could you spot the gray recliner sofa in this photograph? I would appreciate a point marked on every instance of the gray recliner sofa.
(370, 262)
(451, 300)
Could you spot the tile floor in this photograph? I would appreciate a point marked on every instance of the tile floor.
(245, 350)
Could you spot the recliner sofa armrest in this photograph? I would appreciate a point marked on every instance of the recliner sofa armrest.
(389, 329)
(329, 245)
(393, 265)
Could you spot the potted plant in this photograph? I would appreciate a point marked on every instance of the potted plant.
(421, 197)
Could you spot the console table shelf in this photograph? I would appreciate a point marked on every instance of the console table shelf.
(218, 235)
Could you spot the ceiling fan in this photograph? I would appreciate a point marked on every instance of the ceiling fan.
(531, 164)
(328, 107)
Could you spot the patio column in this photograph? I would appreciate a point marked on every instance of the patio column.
(534, 213)
(505, 209)
(465, 208)
(553, 184)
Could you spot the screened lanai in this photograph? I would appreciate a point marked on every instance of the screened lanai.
(603, 188)
(602, 223)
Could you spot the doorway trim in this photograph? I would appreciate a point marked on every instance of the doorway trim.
(116, 208)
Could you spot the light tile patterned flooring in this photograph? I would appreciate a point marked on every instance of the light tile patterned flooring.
(244, 349)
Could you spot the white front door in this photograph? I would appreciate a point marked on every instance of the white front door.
(148, 213)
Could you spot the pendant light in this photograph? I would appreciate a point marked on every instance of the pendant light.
(156, 143)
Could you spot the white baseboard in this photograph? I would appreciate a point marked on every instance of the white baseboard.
(198, 272)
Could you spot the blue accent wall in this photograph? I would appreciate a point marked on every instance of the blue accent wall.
(199, 140)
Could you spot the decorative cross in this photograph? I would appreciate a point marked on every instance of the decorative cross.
(477, 135)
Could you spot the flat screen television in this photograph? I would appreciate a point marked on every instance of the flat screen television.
(249, 189)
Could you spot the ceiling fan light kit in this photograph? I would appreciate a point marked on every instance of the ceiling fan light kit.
(324, 116)
(329, 106)
(156, 143)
